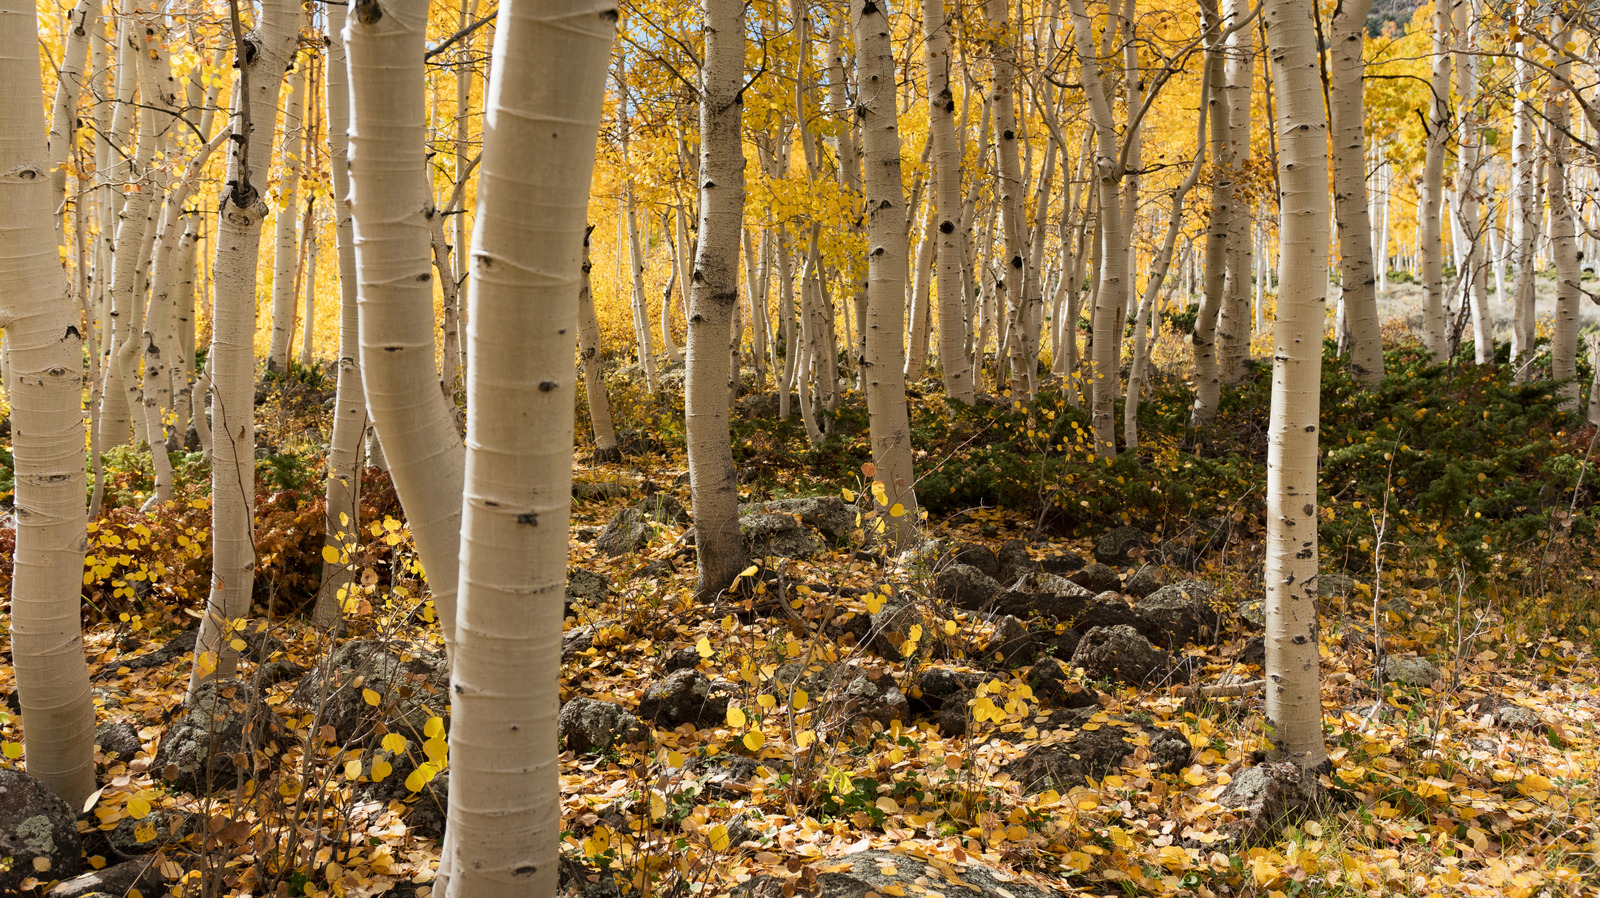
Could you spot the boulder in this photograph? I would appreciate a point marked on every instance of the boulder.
(1119, 654)
(142, 874)
(223, 723)
(1107, 609)
(586, 588)
(828, 515)
(685, 696)
(1063, 562)
(936, 685)
(891, 627)
(161, 828)
(1143, 582)
(974, 555)
(1093, 753)
(587, 725)
(1097, 577)
(1254, 651)
(1015, 561)
(38, 833)
(1174, 616)
(778, 535)
(723, 776)
(1410, 671)
(866, 698)
(967, 587)
(118, 739)
(1012, 643)
(428, 812)
(1121, 546)
(412, 685)
(631, 529)
(873, 873)
(575, 642)
(589, 490)
(954, 714)
(1268, 797)
(1053, 684)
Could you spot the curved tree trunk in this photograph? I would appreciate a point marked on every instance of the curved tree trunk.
(1294, 700)
(262, 59)
(1358, 292)
(389, 196)
(541, 124)
(45, 387)
(884, 363)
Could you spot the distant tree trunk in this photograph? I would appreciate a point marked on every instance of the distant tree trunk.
(758, 268)
(232, 354)
(945, 198)
(886, 274)
(1473, 271)
(308, 325)
(1525, 210)
(644, 339)
(389, 196)
(64, 111)
(1013, 220)
(542, 119)
(45, 387)
(594, 375)
(284, 255)
(1294, 700)
(1348, 112)
(1430, 218)
(1233, 321)
(1563, 230)
(342, 526)
(921, 295)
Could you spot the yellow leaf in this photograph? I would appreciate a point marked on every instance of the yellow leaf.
(736, 718)
(352, 770)
(749, 571)
(849, 495)
(873, 601)
(949, 628)
(416, 780)
(658, 806)
(897, 510)
(703, 647)
(718, 837)
(676, 759)
(330, 554)
(372, 698)
(754, 739)
(799, 700)
(436, 750)
(434, 728)
(804, 738)
(915, 633)
(394, 743)
(237, 644)
(381, 770)
(138, 808)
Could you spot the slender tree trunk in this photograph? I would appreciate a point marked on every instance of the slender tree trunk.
(389, 196)
(1294, 701)
(64, 110)
(641, 306)
(342, 526)
(1233, 319)
(284, 255)
(1013, 220)
(541, 124)
(1525, 211)
(45, 387)
(232, 354)
(1473, 272)
(886, 275)
(954, 361)
(1430, 236)
(917, 348)
(308, 325)
(1208, 379)
(1563, 230)
(1348, 116)
(594, 375)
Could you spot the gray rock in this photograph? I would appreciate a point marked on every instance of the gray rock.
(1410, 671)
(1011, 643)
(935, 685)
(1108, 609)
(412, 684)
(686, 658)
(954, 715)
(974, 555)
(159, 829)
(223, 721)
(1268, 797)
(1097, 577)
(872, 873)
(1143, 582)
(1094, 753)
(723, 776)
(866, 699)
(587, 588)
(575, 642)
(1053, 684)
(891, 627)
(1335, 585)
(685, 696)
(1253, 652)
(1516, 717)
(428, 813)
(118, 739)
(1119, 653)
(586, 725)
(828, 515)
(967, 587)
(778, 535)
(627, 531)
(1015, 561)
(1053, 584)
(1063, 562)
(143, 874)
(589, 490)
(1121, 546)
(37, 829)
(1176, 615)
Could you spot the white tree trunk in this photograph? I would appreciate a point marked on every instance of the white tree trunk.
(389, 196)
(45, 387)
(1563, 231)
(887, 249)
(1357, 284)
(1430, 222)
(309, 239)
(232, 354)
(1473, 271)
(594, 374)
(285, 257)
(1294, 699)
(945, 198)
(543, 117)
(1013, 219)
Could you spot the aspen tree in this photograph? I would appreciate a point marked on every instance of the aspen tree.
(713, 296)
(945, 199)
(343, 491)
(44, 384)
(64, 109)
(262, 56)
(542, 119)
(284, 253)
(1563, 227)
(1294, 704)
(389, 198)
(1525, 213)
(594, 375)
(1013, 224)
(884, 365)
(1473, 267)
(1233, 314)
(1347, 110)
(1430, 216)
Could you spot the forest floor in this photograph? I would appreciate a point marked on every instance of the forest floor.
(861, 723)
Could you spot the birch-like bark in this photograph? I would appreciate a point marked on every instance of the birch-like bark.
(64, 109)
(1294, 699)
(1208, 377)
(1473, 271)
(389, 196)
(261, 59)
(884, 364)
(1430, 221)
(643, 337)
(285, 257)
(1013, 219)
(1233, 321)
(542, 120)
(945, 198)
(917, 348)
(594, 369)
(308, 317)
(1348, 116)
(44, 384)
(1563, 230)
(1525, 211)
